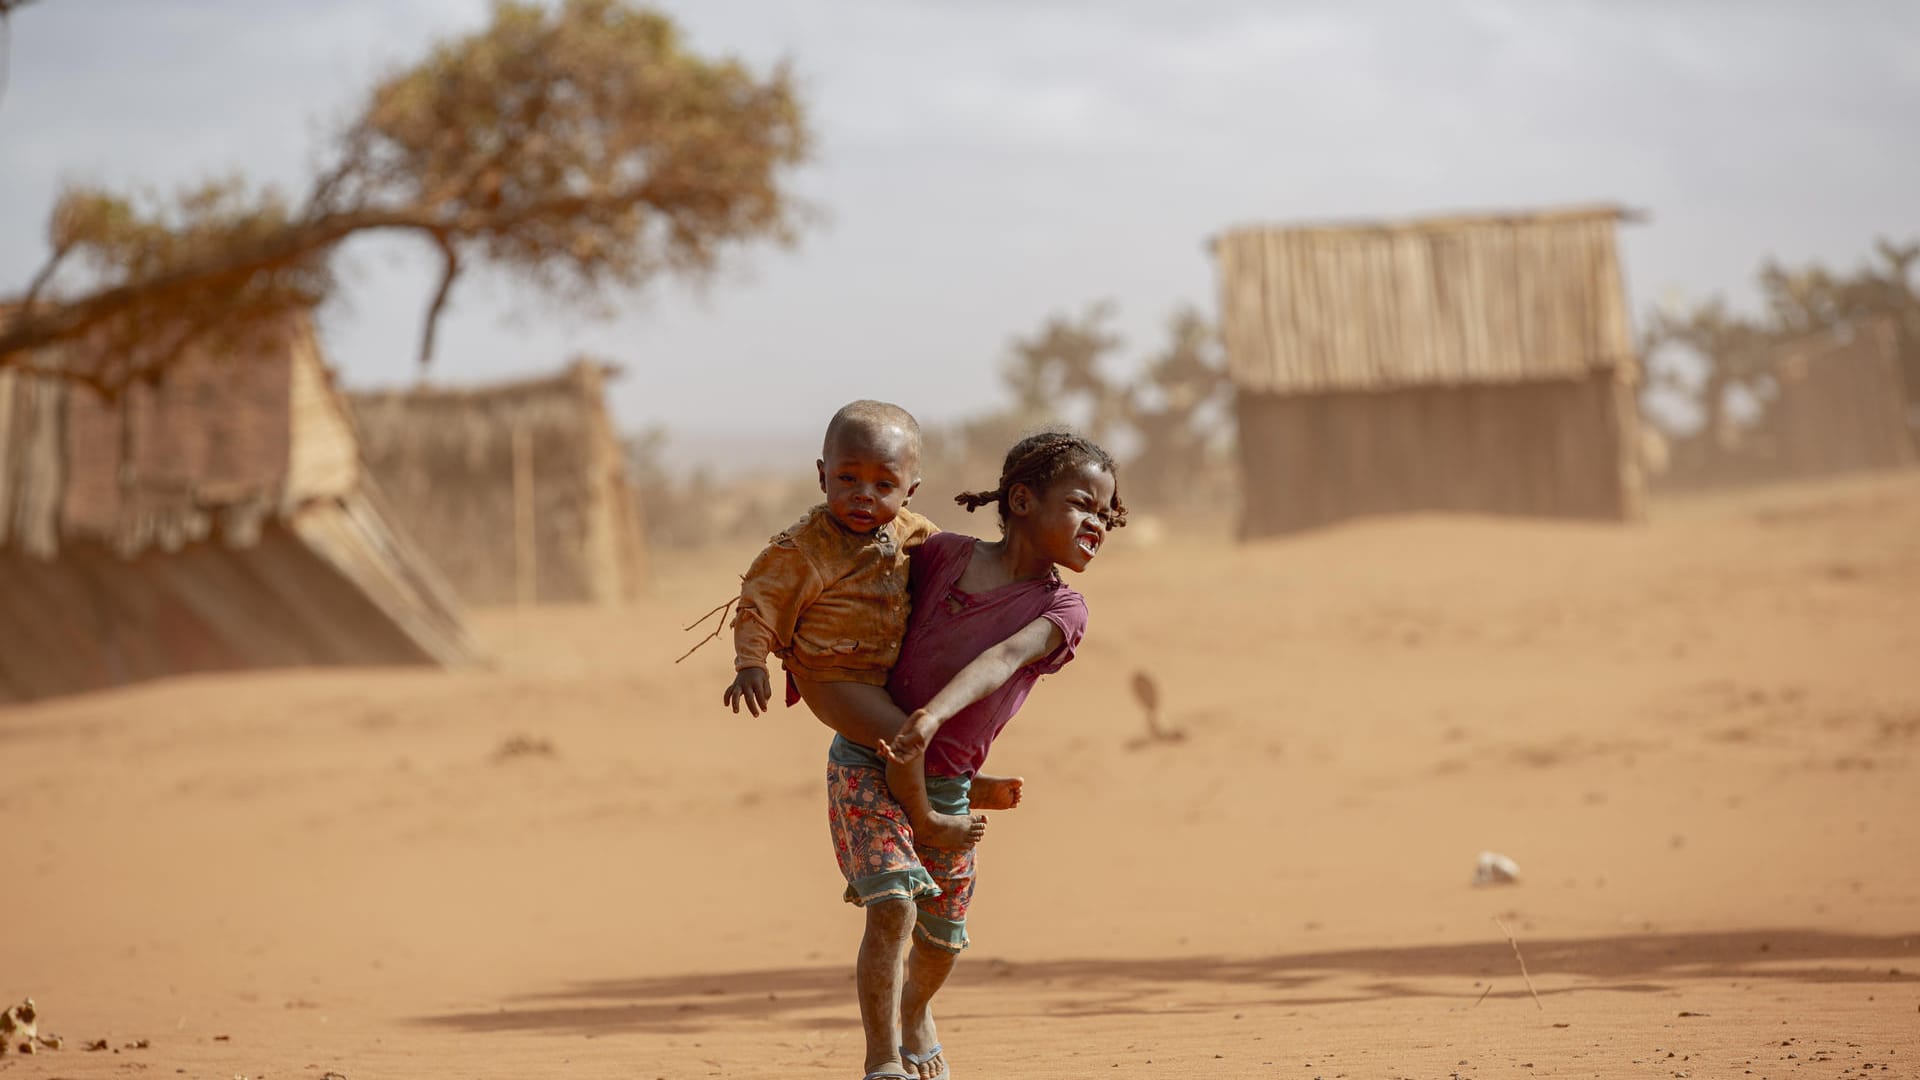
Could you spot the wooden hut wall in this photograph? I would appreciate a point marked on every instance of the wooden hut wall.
(323, 460)
(170, 463)
(1841, 406)
(205, 450)
(616, 539)
(213, 521)
(1559, 448)
(445, 462)
(33, 462)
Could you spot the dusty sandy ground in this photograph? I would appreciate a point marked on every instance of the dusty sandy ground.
(1699, 738)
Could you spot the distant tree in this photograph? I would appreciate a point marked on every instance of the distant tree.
(1734, 352)
(1175, 411)
(1165, 422)
(580, 148)
(1061, 367)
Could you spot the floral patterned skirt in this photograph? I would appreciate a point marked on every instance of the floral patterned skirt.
(873, 843)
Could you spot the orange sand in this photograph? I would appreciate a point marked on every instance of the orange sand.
(1699, 738)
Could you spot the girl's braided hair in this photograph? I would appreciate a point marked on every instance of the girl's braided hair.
(1037, 461)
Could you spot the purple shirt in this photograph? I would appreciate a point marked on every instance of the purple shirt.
(949, 629)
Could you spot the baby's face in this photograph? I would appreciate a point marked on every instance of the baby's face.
(868, 475)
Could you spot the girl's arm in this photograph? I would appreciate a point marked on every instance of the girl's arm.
(987, 672)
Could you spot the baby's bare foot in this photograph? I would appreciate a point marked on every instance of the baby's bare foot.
(951, 830)
(995, 792)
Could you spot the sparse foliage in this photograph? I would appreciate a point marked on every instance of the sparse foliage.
(1734, 350)
(581, 149)
(1164, 423)
(1063, 363)
(1175, 411)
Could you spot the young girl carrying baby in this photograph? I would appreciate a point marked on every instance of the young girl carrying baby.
(989, 618)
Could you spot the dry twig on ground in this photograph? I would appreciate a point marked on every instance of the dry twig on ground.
(1523, 964)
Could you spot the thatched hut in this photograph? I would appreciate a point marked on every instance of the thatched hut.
(1830, 402)
(519, 489)
(1839, 403)
(215, 520)
(1478, 364)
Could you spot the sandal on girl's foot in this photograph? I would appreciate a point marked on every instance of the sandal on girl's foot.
(917, 1060)
(884, 1073)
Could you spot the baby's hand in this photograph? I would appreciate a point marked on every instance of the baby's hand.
(752, 686)
(912, 740)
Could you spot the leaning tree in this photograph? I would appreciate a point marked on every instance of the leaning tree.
(581, 149)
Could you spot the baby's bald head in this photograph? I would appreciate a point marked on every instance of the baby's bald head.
(867, 427)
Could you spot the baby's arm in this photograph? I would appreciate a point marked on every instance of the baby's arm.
(779, 585)
(985, 674)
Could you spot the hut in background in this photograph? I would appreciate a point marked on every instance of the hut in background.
(215, 520)
(1831, 402)
(519, 489)
(1478, 364)
(1840, 403)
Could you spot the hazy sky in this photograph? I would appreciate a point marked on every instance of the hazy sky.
(983, 164)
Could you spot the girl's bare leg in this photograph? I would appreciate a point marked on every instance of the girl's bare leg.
(927, 970)
(877, 979)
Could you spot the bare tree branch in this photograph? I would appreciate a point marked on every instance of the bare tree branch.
(50, 324)
(45, 275)
(452, 271)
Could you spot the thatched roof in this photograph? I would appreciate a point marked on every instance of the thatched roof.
(1457, 300)
(438, 414)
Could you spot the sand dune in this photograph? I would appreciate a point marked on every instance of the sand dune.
(1699, 738)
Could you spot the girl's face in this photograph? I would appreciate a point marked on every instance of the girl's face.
(1067, 521)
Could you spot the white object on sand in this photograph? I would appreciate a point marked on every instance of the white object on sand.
(1494, 868)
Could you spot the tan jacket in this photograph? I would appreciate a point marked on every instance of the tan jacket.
(831, 603)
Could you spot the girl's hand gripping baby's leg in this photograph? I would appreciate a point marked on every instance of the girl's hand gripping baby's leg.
(912, 740)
